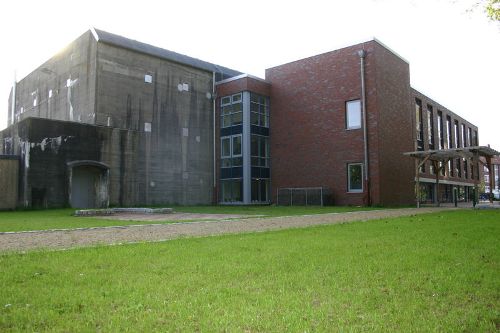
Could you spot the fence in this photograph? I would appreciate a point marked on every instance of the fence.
(303, 196)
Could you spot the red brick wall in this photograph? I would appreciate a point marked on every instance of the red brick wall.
(395, 131)
(310, 145)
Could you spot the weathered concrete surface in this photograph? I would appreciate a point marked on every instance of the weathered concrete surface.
(148, 118)
(113, 235)
(62, 88)
(9, 170)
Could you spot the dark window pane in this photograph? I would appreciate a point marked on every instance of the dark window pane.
(237, 118)
(254, 145)
(237, 161)
(236, 145)
(225, 147)
(254, 118)
(237, 107)
(355, 177)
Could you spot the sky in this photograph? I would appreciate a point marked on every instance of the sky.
(452, 47)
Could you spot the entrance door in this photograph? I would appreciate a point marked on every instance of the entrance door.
(84, 187)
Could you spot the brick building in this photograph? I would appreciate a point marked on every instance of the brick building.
(120, 122)
(496, 178)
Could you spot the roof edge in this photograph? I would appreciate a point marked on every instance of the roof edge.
(242, 76)
(94, 33)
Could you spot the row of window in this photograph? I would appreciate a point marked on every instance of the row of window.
(231, 151)
(454, 169)
(457, 135)
(259, 110)
(231, 190)
(232, 110)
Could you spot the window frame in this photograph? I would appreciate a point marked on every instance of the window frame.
(347, 118)
(262, 158)
(228, 102)
(231, 156)
(349, 189)
(261, 104)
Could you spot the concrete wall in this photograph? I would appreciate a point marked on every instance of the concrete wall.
(156, 136)
(62, 88)
(9, 171)
(47, 148)
(173, 157)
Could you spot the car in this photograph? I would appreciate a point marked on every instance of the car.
(484, 196)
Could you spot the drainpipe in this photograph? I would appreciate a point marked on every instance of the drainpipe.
(214, 195)
(367, 199)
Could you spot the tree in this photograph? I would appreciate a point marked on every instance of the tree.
(493, 9)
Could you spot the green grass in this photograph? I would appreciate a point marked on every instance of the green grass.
(63, 219)
(427, 273)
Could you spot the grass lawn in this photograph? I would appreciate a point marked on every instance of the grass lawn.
(437, 272)
(63, 219)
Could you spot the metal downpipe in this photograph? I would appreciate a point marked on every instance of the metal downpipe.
(367, 198)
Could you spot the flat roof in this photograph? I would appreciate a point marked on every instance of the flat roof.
(446, 154)
(126, 43)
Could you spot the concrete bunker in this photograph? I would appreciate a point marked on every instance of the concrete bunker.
(88, 184)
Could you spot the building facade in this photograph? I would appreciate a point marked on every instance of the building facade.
(112, 121)
(496, 178)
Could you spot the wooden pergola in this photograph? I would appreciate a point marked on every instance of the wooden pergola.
(441, 157)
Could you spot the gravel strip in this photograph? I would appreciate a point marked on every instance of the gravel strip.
(104, 236)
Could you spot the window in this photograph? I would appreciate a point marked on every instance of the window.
(418, 124)
(259, 110)
(448, 132)
(464, 136)
(458, 164)
(148, 78)
(475, 139)
(440, 130)
(430, 126)
(226, 147)
(469, 137)
(259, 147)
(231, 110)
(353, 114)
(457, 135)
(260, 190)
(231, 151)
(231, 190)
(355, 177)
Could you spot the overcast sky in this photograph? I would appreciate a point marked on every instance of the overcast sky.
(453, 53)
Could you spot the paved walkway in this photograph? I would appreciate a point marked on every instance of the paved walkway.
(64, 239)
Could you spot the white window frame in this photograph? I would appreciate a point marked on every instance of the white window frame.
(347, 121)
(241, 143)
(231, 140)
(222, 146)
(227, 101)
(349, 189)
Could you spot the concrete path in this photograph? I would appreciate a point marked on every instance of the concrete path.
(63, 239)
